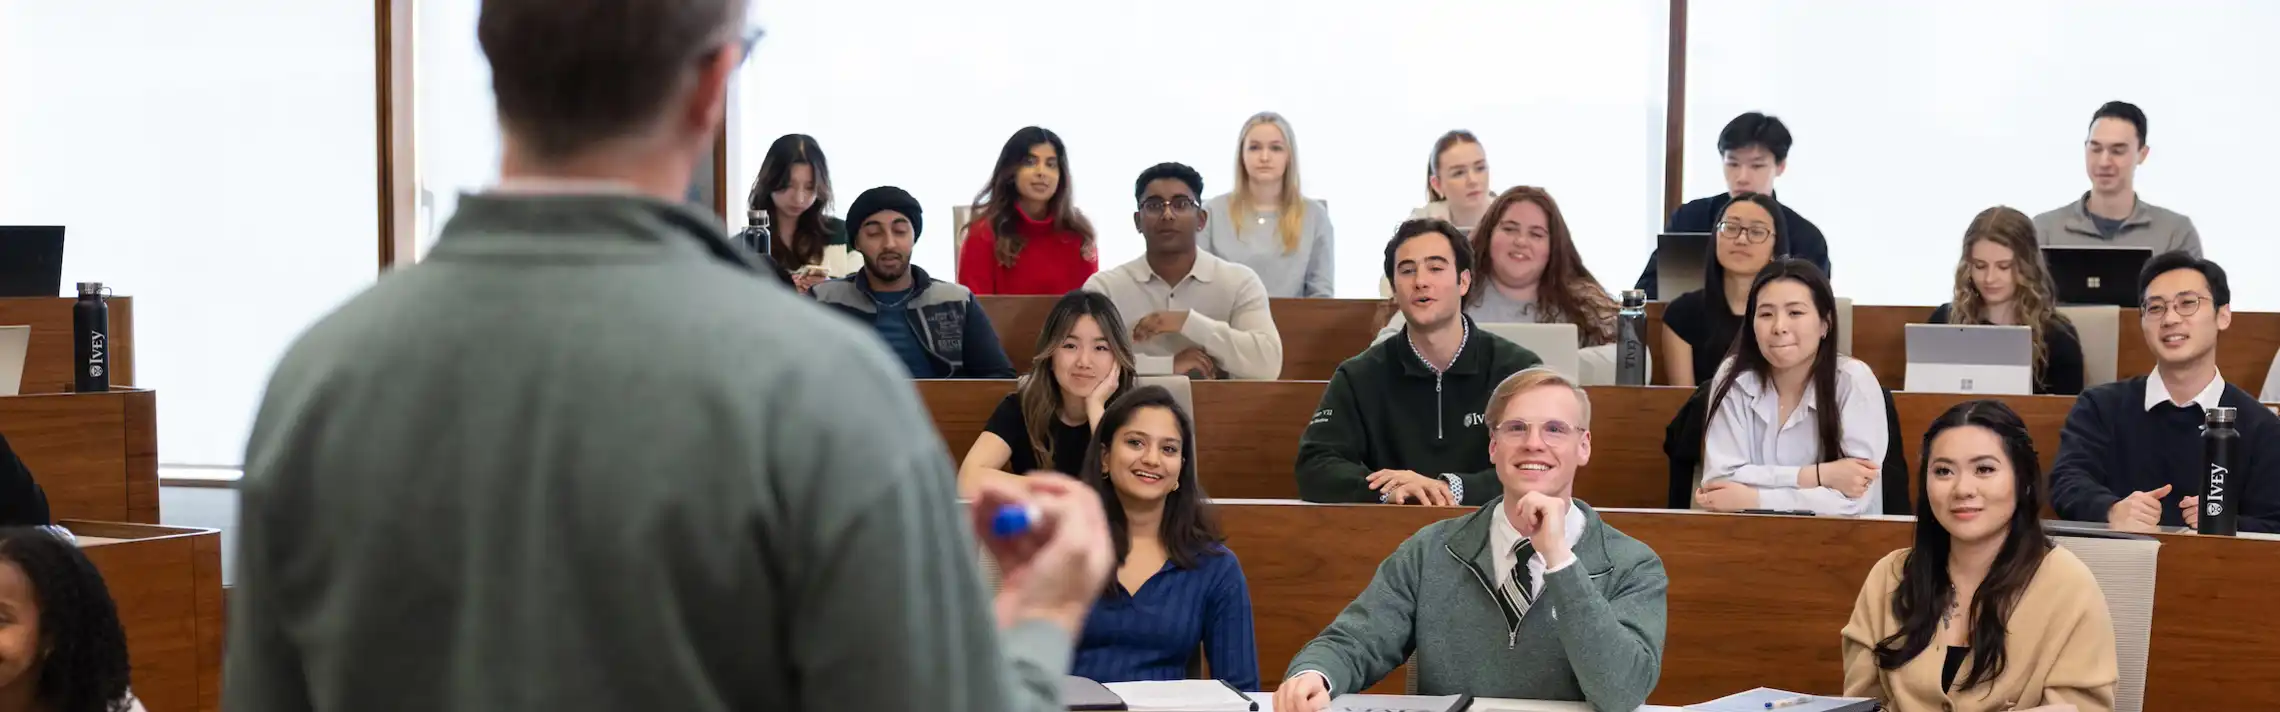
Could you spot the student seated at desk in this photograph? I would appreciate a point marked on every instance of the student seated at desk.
(1793, 424)
(2131, 453)
(1754, 148)
(1082, 362)
(1533, 273)
(794, 190)
(1581, 605)
(1984, 603)
(935, 327)
(62, 648)
(1177, 587)
(1265, 223)
(1027, 236)
(22, 502)
(1457, 187)
(1402, 422)
(1207, 314)
(2001, 280)
(1699, 326)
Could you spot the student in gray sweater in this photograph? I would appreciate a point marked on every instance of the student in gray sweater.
(1581, 605)
(586, 457)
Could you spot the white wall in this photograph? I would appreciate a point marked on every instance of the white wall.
(920, 94)
(455, 119)
(213, 159)
(1912, 116)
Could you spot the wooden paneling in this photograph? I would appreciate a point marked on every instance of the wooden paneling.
(2244, 352)
(1246, 435)
(2212, 646)
(94, 454)
(48, 361)
(1628, 468)
(1880, 339)
(167, 583)
(960, 408)
(1760, 600)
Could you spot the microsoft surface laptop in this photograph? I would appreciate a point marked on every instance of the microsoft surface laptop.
(1554, 343)
(2094, 275)
(1954, 358)
(31, 261)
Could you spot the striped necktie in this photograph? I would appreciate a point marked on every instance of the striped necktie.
(1521, 553)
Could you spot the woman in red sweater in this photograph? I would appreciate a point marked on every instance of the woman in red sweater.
(1026, 237)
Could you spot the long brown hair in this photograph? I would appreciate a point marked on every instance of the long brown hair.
(1189, 529)
(2038, 308)
(1925, 591)
(1291, 217)
(1041, 389)
(806, 235)
(999, 204)
(1568, 292)
(1433, 164)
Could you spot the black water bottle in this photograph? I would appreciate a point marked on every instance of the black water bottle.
(757, 235)
(91, 339)
(1631, 339)
(2220, 444)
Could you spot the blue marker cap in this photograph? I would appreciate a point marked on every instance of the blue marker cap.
(1014, 520)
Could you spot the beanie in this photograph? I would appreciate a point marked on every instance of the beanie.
(881, 199)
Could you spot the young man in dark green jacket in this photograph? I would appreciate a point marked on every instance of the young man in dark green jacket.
(1581, 605)
(1401, 422)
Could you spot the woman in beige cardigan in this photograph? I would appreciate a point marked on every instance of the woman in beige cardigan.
(1984, 613)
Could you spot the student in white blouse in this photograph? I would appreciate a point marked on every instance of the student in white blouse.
(1793, 425)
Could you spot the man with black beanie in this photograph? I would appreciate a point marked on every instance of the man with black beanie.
(936, 327)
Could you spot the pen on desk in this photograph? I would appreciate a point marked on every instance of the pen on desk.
(1791, 702)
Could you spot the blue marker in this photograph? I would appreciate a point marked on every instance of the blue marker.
(1014, 520)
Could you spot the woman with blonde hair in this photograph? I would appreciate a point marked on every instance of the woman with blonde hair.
(1266, 224)
(2000, 279)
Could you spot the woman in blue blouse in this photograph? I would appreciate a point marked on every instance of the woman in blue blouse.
(1177, 586)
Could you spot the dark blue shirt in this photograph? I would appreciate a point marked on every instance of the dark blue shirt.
(893, 324)
(1155, 635)
(2113, 446)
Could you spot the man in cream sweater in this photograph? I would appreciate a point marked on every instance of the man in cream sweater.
(1208, 314)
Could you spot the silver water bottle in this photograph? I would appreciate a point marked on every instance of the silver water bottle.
(1631, 339)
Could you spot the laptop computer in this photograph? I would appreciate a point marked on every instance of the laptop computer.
(1958, 358)
(31, 261)
(1554, 343)
(1680, 258)
(13, 341)
(2096, 275)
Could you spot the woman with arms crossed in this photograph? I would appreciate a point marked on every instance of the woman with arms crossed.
(1984, 613)
(1793, 424)
(1083, 360)
(1177, 587)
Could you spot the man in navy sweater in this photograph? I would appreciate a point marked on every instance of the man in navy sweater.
(2131, 452)
(1755, 150)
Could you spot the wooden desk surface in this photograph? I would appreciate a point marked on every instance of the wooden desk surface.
(1247, 433)
(167, 582)
(48, 362)
(1739, 617)
(96, 454)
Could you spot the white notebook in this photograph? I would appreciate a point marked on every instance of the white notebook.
(1181, 696)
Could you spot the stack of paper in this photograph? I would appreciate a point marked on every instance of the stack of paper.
(1400, 703)
(1762, 699)
(1182, 696)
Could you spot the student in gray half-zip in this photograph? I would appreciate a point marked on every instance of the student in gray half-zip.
(1401, 422)
(1532, 596)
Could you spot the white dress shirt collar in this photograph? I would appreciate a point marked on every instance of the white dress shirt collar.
(1502, 536)
(2157, 392)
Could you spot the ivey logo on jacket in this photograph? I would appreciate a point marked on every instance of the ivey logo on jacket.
(1475, 419)
(1320, 417)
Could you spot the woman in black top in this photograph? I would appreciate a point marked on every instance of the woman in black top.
(1083, 361)
(22, 502)
(2001, 280)
(1699, 326)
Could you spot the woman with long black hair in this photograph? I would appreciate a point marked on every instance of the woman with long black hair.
(1984, 613)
